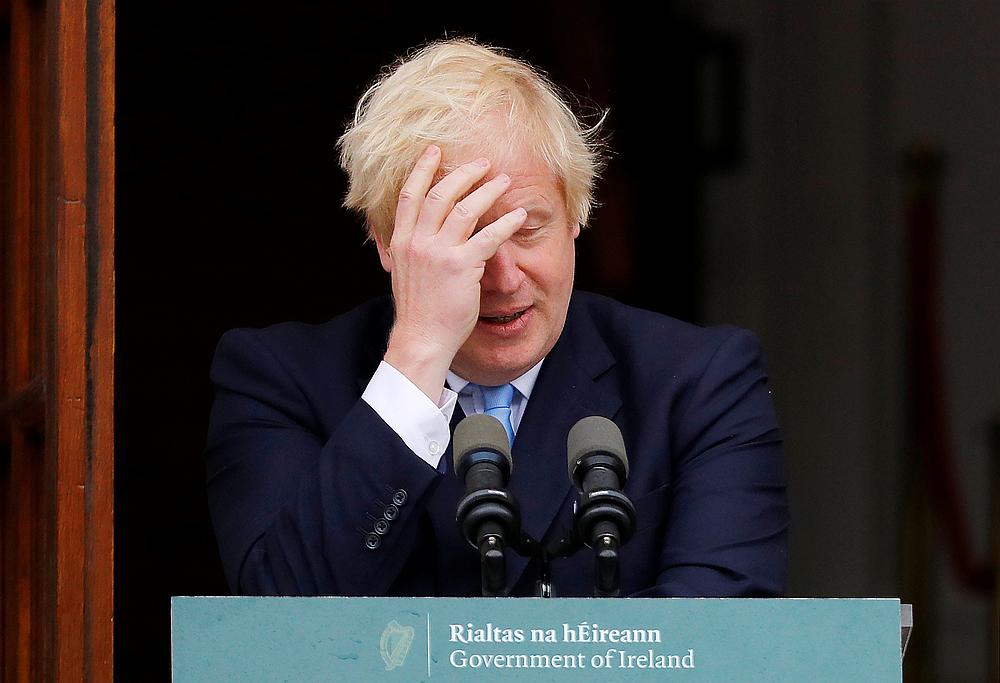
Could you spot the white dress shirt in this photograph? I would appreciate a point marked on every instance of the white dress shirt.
(424, 426)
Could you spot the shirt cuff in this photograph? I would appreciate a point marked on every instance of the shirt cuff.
(423, 426)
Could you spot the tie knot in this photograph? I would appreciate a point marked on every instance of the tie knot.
(498, 397)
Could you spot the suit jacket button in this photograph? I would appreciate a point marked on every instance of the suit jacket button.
(372, 541)
(399, 497)
(390, 512)
(381, 527)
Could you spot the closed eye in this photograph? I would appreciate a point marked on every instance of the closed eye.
(528, 233)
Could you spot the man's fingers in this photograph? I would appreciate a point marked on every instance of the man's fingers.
(484, 244)
(411, 196)
(465, 215)
(443, 196)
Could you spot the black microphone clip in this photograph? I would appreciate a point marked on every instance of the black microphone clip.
(604, 517)
(488, 515)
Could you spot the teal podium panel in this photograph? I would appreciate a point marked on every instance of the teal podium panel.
(532, 639)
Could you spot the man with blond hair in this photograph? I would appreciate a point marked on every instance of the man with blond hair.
(329, 446)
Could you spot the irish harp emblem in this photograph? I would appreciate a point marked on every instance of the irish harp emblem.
(395, 644)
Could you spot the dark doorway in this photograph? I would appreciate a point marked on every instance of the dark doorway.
(228, 214)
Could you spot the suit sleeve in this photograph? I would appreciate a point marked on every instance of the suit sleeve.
(728, 519)
(296, 513)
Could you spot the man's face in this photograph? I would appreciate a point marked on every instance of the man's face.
(525, 290)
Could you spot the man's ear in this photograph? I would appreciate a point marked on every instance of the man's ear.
(383, 253)
(576, 230)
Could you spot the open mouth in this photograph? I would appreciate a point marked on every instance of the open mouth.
(502, 319)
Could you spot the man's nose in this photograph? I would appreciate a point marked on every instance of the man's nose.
(503, 273)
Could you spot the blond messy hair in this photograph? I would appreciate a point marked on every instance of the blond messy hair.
(448, 94)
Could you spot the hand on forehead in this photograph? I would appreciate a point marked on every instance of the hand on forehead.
(533, 186)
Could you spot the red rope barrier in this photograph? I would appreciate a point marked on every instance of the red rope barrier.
(928, 392)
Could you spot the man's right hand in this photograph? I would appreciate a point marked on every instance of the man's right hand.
(436, 259)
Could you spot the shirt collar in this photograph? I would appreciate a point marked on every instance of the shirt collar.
(524, 384)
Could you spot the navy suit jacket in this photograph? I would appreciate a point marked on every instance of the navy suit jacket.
(301, 470)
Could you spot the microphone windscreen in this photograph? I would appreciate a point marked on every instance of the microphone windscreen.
(480, 433)
(595, 434)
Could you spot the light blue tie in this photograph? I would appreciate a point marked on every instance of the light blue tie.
(497, 401)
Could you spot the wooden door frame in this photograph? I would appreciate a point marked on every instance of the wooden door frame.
(62, 532)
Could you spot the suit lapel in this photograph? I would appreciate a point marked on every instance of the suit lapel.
(574, 383)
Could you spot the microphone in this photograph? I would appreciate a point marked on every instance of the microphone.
(604, 516)
(488, 516)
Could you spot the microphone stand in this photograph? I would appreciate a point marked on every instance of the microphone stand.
(615, 520)
(533, 550)
(603, 539)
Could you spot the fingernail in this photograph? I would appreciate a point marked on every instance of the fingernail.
(521, 213)
(482, 161)
(503, 178)
(432, 150)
